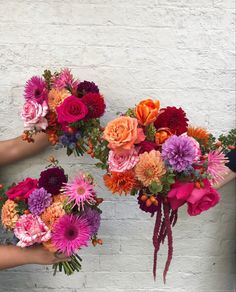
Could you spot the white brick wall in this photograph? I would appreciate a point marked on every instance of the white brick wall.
(180, 51)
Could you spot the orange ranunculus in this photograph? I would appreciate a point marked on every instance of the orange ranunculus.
(122, 133)
(162, 135)
(146, 111)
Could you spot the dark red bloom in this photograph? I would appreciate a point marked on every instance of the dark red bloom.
(52, 180)
(173, 118)
(95, 104)
(86, 87)
(147, 146)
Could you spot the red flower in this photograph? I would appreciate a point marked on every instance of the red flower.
(95, 104)
(173, 118)
(23, 189)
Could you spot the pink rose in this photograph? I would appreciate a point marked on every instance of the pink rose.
(122, 161)
(179, 193)
(202, 199)
(23, 189)
(71, 110)
(34, 114)
(31, 229)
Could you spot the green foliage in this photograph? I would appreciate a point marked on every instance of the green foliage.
(130, 113)
(21, 207)
(3, 197)
(155, 188)
(229, 139)
(150, 132)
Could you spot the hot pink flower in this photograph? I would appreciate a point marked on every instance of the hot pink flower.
(216, 166)
(30, 230)
(23, 189)
(65, 80)
(122, 161)
(34, 114)
(202, 199)
(71, 110)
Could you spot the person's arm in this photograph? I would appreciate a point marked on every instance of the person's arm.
(16, 149)
(12, 256)
(230, 175)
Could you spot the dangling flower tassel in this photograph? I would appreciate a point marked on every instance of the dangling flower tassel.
(156, 238)
(166, 209)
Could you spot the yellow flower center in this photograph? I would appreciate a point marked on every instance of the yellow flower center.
(149, 172)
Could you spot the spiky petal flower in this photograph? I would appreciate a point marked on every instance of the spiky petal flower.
(70, 233)
(35, 88)
(65, 80)
(93, 217)
(79, 191)
(39, 200)
(216, 166)
(179, 152)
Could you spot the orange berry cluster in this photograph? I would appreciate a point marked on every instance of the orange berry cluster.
(53, 138)
(149, 200)
(26, 136)
(96, 241)
(219, 144)
(91, 149)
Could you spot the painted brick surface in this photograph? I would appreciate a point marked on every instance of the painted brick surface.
(180, 51)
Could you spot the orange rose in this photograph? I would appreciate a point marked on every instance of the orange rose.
(122, 133)
(162, 135)
(146, 111)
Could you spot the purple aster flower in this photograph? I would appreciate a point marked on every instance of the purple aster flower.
(39, 200)
(94, 219)
(86, 87)
(179, 152)
(35, 88)
(52, 180)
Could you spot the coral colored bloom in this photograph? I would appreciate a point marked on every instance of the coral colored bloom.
(56, 97)
(39, 200)
(79, 191)
(30, 229)
(95, 104)
(52, 214)
(65, 80)
(35, 89)
(199, 134)
(33, 114)
(122, 161)
(202, 199)
(122, 133)
(179, 152)
(23, 189)
(70, 233)
(172, 118)
(162, 135)
(9, 215)
(71, 110)
(216, 166)
(120, 182)
(146, 111)
(150, 167)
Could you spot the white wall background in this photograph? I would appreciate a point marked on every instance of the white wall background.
(180, 51)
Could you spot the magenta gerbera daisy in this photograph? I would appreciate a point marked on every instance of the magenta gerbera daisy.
(35, 88)
(70, 233)
(80, 191)
(216, 166)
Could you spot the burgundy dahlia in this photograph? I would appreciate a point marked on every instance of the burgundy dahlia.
(95, 104)
(173, 118)
(147, 146)
(52, 180)
(86, 87)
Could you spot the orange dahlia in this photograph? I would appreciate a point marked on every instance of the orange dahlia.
(120, 182)
(9, 214)
(199, 134)
(52, 214)
(150, 167)
(56, 97)
(60, 198)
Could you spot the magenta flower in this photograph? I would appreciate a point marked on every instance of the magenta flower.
(79, 191)
(70, 233)
(35, 89)
(65, 80)
(31, 229)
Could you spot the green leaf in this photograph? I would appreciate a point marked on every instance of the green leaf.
(155, 187)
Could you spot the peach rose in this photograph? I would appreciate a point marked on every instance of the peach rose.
(122, 133)
(146, 111)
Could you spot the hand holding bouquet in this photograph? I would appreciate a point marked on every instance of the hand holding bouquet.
(63, 216)
(65, 108)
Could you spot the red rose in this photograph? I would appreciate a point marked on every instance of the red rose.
(71, 110)
(23, 189)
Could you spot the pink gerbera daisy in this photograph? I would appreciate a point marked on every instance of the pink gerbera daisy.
(70, 233)
(35, 88)
(65, 80)
(80, 191)
(216, 166)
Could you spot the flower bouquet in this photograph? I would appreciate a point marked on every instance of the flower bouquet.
(62, 216)
(155, 154)
(66, 109)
